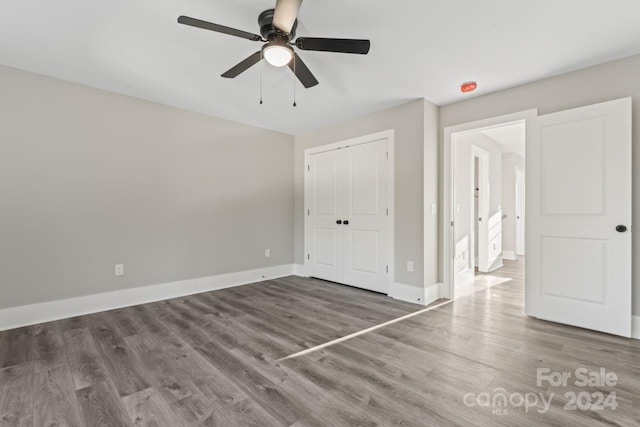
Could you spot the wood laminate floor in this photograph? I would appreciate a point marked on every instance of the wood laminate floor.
(213, 359)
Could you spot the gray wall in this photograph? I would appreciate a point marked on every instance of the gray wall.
(510, 161)
(431, 191)
(90, 178)
(601, 83)
(408, 121)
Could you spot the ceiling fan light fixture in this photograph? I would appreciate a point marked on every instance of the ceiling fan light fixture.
(277, 54)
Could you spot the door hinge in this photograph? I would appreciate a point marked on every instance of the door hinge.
(387, 211)
(387, 268)
(308, 212)
(308, 168)
(387, 155)
(308, 256)
(452, 223)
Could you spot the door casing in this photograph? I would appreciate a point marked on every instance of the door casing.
(448, 201)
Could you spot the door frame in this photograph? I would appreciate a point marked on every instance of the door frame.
(389, 135)
(448, 244)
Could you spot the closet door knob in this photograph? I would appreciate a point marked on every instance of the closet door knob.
(346, 222)
(339, 222)
(621, 228)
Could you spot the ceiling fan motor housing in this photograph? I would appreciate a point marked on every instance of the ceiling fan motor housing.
(271, 33)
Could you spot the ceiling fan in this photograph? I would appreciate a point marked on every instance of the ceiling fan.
(278, 29)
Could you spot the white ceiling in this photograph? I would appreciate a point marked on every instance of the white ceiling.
(511, 137)
(420, 48)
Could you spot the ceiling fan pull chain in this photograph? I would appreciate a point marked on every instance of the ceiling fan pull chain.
(261, 65)
(294, 82)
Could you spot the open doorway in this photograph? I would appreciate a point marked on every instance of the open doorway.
(578, 245)
(488, 167)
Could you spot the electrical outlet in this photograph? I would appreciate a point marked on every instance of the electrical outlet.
(410, 266)
(267, 253)
(119, 269)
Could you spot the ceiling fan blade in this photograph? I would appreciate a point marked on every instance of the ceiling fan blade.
(243, 66)
(286, 14)
(302, 72)
(218, 28)
(334, 45)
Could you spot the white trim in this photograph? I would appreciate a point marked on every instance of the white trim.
(447, 208)
(635, 327)
(62, 309)
(389, 135)
(366, 139)
(407, 293)
(415, 295)
(497, 264)
(509, 255)
(300, 270)
(432, 293)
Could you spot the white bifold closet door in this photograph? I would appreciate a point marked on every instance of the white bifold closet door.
(347, 216)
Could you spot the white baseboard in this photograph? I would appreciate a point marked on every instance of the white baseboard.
(509, 255)
(432, 293)
(635, 327)
(299, 270)
(33, 314)
(407, 293)
(496, 264)
(414, 294)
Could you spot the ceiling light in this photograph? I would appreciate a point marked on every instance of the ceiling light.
(277, 55)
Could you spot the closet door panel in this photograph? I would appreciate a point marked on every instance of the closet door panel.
(365, 245)
(326, 248)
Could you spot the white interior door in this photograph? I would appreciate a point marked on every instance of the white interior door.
(494, 232)
(520, 213)
(326, 208)
(578, 269)
(484, 197)
(347, 217)
(366, 211)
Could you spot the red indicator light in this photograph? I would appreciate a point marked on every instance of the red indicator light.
(468, 87)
